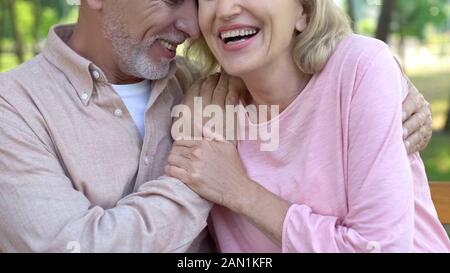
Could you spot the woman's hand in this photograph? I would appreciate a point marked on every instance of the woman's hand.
(220, 90)
(417, 121)
(212, 169)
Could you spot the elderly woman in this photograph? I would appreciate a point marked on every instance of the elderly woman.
(340, 179)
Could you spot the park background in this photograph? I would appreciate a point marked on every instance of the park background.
(418, 32)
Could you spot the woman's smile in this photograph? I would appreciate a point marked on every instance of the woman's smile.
(247, 36)
(237, 37)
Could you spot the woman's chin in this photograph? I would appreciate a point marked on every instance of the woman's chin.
(238, 70)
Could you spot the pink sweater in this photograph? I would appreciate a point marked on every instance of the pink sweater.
(342, 164)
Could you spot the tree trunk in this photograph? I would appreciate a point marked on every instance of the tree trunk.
(2, 30)
(447, 124)
(37, 12)
(385, 19)
(11, 8)
(351, 12)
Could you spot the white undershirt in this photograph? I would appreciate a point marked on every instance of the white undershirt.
(135, 97)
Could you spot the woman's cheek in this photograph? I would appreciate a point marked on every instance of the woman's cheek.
(203, 23)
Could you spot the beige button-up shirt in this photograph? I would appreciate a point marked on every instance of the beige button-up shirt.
(75, 174)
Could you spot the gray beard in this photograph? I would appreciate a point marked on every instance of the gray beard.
(133, 58)
(135, 61)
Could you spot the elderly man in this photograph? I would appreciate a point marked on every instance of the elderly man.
(85, 134)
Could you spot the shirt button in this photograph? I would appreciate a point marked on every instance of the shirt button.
(96, 75)
(147, 160)
(85, 96)
(118, 113)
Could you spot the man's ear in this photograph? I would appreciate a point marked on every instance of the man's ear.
(94, 4)
(302, 20)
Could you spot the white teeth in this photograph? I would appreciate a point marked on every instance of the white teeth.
(237, 33)
(168, 45)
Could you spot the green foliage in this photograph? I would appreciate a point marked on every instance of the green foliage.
(366, 26)
(52, 12)
(410, 18)
(437, 158)
(33, 19)
(413, 17)
(435, 87)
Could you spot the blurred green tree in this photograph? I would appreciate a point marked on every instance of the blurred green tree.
(351, 12)
(413, 17)
(447, 124)
(2, 26)
(24, 23)
(10, 10)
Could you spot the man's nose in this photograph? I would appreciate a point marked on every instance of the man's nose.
(187, 20)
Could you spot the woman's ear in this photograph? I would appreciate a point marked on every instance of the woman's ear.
(302, 20)
(94, 4)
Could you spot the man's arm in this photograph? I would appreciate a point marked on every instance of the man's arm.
(40, 211)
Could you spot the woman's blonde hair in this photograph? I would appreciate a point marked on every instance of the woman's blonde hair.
(327, 26)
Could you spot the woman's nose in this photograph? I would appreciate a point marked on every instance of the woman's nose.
(228, 9)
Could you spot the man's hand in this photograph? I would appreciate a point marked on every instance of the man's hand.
(417, 121)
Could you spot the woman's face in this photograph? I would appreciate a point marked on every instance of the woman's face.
(246, 35)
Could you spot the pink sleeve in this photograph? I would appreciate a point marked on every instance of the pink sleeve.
(379, 181)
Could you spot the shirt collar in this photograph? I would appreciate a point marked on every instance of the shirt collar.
(82, 73)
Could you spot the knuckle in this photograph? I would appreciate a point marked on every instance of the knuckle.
(415, 123)
(416, 137)
(408, 149)
(417, 101)
(232, 98)
(194, 177)
(187, 179)
(171, 159)
(209, 82)
(423, 130)
(197, 152)
(195, 87)
(418, 147)
(168, 170)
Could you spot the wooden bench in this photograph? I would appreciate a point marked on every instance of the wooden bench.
(440, 192)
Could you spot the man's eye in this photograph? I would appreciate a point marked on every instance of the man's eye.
(174, 2)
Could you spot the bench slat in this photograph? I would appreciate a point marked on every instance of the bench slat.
(440, 192)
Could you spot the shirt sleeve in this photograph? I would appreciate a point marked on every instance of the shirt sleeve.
(379, 181)
(40, 211)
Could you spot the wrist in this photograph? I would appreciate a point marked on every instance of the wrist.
(243, 198)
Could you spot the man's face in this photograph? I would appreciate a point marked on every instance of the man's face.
(145, 33)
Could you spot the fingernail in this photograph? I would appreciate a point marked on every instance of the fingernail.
(405, 132)
(404, 115)
(407, 144)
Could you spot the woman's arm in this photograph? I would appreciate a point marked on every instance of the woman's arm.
(214, 170)
(380, 191)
